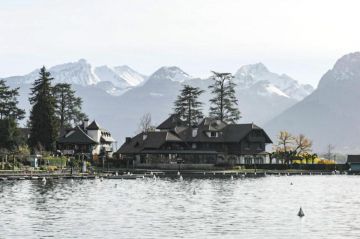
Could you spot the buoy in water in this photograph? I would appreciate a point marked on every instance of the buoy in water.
(181, 178)
(301, 213)
(291, 183)
(194, 192)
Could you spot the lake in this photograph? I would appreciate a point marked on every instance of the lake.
(166, 208)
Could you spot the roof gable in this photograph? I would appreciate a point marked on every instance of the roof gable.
(93, 126)
(76, 136)
(171, 122)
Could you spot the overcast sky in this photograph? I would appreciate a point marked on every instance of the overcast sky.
(300, 38)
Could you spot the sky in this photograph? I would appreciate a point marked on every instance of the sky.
(302, 39)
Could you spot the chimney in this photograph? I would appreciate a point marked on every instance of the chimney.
(194, 131)
(86, 123)
(127, 140)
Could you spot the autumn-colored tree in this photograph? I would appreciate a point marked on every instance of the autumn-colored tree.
(290, 148)
(302, 144)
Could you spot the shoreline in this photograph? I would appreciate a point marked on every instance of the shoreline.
(139, 173)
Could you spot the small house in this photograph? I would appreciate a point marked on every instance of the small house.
(354, 163)
(86, 139)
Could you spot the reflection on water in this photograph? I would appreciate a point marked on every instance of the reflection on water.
(242, 208)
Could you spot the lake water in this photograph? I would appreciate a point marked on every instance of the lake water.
(166, 208)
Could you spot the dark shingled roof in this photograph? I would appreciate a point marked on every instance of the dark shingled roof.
(149, 140)
(353, 159)
(171, 122)
(76, 136)
(93, 126)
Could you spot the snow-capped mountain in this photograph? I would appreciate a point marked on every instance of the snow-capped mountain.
(171, 73)
(107, 74)
(80, 73)
(132, 77)
(258, 77)
(329, 115)
(113, 80)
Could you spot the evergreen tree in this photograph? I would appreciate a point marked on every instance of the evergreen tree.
(68, 106)
(187, 105)
(43, 124)
(9, 115)
(10, 136)
(224, 103)
(8, 103)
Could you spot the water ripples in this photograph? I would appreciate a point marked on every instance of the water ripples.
(241, 208)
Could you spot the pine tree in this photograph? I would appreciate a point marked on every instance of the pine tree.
(224, 103)
(43, 125)
(187, 105)
(9, 102)
(10, 136)
(9, 116)
(68, 106)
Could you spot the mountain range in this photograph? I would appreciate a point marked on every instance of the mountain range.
(330, 114)
(118, 96)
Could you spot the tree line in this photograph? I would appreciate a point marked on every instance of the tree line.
(223, 104)
(53, 109)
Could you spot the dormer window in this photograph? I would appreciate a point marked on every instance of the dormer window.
(213, 134)
(194, 132)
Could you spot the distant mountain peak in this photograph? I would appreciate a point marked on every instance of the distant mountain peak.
(282, 85)
(131, 76)
(256, 68)
(172, 73)
(349, 63)
(345, 70)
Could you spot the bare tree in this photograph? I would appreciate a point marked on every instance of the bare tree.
(329, 151)
(285, 141)
(302, 144)
(145, 124)
(284, 146)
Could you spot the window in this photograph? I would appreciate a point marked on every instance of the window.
(259, 160)
(213, 134)
(248, 160)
